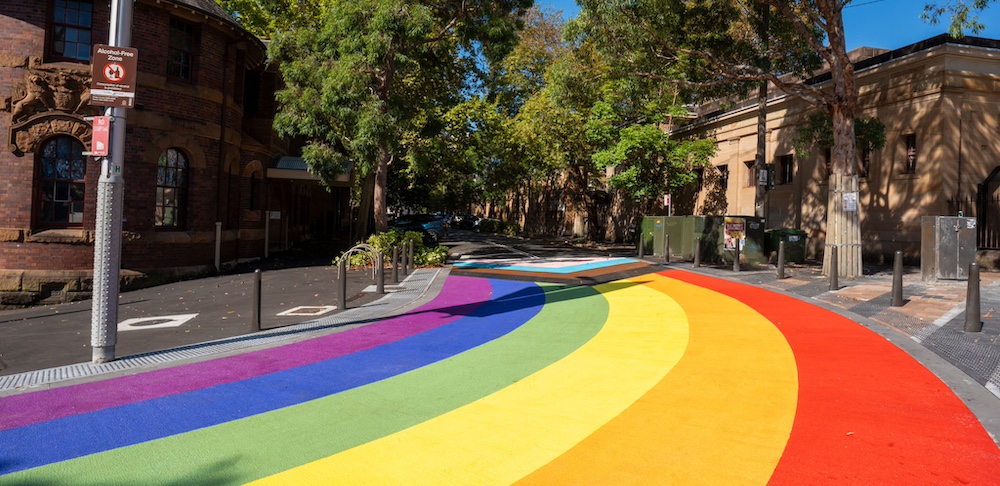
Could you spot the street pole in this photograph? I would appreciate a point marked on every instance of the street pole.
(108, 227)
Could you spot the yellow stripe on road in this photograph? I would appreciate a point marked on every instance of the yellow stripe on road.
(505, 436)
(722, 416)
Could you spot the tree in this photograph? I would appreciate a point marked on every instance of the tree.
(265, 17)
(359, 77)
(711, 44)
(963, 15)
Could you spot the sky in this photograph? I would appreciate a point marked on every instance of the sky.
(887, 24)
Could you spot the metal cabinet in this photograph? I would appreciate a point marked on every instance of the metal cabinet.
(947, 247)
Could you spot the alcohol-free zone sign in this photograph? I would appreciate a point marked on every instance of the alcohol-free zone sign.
(113, 76)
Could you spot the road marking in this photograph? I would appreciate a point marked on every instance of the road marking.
(308, 310)
(159, 322)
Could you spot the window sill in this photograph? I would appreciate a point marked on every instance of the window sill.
(64, 236)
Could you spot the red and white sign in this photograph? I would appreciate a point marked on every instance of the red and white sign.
(114, 72)
(101, 137)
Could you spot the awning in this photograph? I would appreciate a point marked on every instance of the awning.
(295, 168)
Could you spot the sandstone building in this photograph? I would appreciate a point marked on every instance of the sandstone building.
(940, 103)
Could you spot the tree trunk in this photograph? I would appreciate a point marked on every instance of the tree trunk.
(379, 204)
(843, 211)
(364, 209)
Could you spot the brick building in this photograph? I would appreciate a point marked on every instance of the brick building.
(199, 149)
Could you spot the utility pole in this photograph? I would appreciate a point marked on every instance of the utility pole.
(760, 162)
(110, 193)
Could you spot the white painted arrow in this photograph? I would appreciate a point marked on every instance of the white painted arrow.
(156, 322)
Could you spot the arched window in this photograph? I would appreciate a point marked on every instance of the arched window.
(171, 189)
(62, 170)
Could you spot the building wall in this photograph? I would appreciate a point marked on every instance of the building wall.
(202, 117)
(947, 95)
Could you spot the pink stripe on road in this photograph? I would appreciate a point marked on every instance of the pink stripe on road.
(459, 296)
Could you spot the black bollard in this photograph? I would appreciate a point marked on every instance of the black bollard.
(897, 280)
(379, 273)
(972, 308)
(666, 248)
(255, 315)
(342, 283)
(736, 255)
(834, 269)
(402, 258)
(642, 245)
(395, 265)
(697, 252)
(409, 258)
(781, 260)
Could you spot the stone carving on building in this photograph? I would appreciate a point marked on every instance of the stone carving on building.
(52, 100)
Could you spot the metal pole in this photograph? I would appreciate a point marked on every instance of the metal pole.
(834, 269)
(642, 245)
(897, 280)
(342, 283)
(218, 246)
(395, 264)
(379, 273)
(402, 259)
(666, 248)
(697, 252)
(781, 260)
(255, 315)
(409, 257)
(736, 255)
(972, 308)
(108, 226)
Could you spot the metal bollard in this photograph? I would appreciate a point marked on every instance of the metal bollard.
(897, 279)
(395, 265)
(736, 256)
(255, 315)
(642, 245)
(697, 252)
(666, 248)
(379, 273)
(972, 307)
(834, 269)
(409, 257)
(781, 260)
(402, 259)
(342, 283)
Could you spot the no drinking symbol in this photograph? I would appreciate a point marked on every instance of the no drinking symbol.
(114, 72)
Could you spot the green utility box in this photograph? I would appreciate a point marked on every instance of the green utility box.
(716, 241)
(651, 230)
(795, 243)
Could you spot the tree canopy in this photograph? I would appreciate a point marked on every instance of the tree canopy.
(364, 73)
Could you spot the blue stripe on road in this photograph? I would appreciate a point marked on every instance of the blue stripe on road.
(512, 304)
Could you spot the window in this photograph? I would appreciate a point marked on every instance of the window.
(254, 187)
(723, 177)
(828, 161)
(171, 189)
(700, 173)
(62, 170)
(786, 169)
(180, 49)
(911, 154)
(751, 173)
(866, 163)
(70, 35)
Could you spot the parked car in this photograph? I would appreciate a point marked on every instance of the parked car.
(465, 221)
(432, 227)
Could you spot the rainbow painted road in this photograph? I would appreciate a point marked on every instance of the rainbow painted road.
(665, 378)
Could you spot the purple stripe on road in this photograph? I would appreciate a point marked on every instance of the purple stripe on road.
(458, 297)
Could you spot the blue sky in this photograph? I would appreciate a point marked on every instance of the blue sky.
(888, 24)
